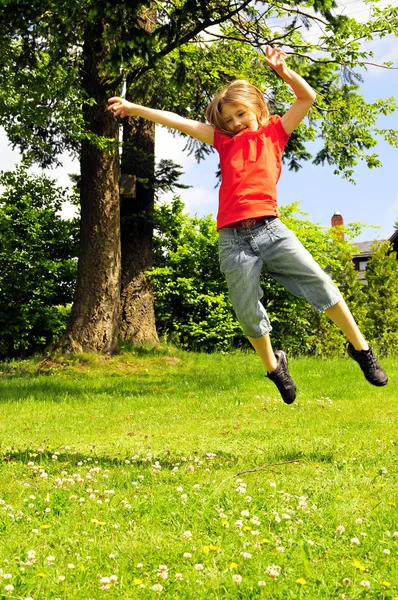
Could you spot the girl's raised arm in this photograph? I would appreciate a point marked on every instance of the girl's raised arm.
(275, 58)
(201, 131)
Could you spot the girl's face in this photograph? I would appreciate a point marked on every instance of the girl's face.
(238, 117)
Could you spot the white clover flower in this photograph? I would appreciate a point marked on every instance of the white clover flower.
(246, 555)
(199, 567)
(237, 578)
(157, 587)
(179, 576)
(340, 529)
(386, 551)
(163, 571)
(261, 583)
(239, 523)
(277, 517)
(365, 584)
(359, 521)
(355, 540)
(273, 571)
(187, 535)
(245, 513)
(9, 588)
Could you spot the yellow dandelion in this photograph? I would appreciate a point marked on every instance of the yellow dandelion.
(301, 581)
(233, 565)
(265, 541)
(213, 548)
(225, 523)
(359, 566)
(247, 528)
(137, 581)
(32, 455)
(206, 549)
(41, 574)
(45, 526)
(386, 583)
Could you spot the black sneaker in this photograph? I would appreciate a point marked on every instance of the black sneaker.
(281, 378)
(369, 364)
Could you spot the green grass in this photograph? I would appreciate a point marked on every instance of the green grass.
(116, 466)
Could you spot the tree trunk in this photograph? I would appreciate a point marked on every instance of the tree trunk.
(137, 315)
(94, 320)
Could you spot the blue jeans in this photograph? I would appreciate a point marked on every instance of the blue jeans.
(243, 253)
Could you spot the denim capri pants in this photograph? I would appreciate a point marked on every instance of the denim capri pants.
(245, 251)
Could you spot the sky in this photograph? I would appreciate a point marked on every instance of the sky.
(372, 200)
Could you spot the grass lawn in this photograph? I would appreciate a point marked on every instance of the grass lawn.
(182, 475)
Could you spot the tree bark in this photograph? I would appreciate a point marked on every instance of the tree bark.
(137, 315)
(94, 321)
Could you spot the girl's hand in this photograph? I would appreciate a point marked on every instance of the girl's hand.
(275, 58)
(120, 107)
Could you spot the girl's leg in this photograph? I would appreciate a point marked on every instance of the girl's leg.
(341, 315)
(358, 348)
(276, 365)
(263, 347)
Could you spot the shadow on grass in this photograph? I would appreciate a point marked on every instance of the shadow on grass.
(64, 387)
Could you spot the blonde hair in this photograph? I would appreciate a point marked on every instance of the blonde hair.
(242, 93)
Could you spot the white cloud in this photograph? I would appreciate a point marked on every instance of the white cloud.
(198, 200)
(168, 146)
(9, 157)
(391, 211)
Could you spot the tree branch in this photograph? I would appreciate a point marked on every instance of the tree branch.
(287, 462)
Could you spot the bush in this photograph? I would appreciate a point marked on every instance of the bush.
(37, 263)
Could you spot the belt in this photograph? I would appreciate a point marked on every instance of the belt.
(249, 222)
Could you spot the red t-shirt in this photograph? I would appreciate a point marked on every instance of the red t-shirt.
(251, 163)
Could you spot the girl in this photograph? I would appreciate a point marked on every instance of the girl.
(251, 236)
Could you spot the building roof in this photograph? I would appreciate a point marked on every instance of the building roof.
(394, 236)
(365, 248)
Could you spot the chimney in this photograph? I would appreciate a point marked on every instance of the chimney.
(337, 221)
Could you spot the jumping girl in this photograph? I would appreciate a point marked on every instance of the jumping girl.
(250, 143)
